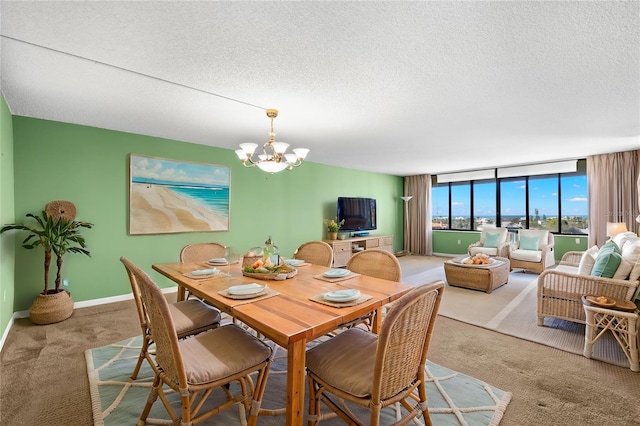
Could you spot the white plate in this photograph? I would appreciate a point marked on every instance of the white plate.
(246, 289)
(205, 271)
(346, 295)
(294, 262)
(218, 260)
(335, 273)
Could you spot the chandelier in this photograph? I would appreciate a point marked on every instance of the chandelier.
(273, 159)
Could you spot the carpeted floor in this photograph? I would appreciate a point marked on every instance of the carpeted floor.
(511, 309)
(454, 398)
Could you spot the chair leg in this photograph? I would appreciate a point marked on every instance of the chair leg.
(258, 392)
(153, 395)
(141, 358)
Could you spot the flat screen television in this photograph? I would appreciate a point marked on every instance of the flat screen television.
(359, 214)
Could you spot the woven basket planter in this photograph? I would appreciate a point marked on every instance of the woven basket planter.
(50, 308)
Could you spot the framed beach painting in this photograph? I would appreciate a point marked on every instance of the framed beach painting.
(170, 196)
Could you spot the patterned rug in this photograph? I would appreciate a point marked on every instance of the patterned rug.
(454, 398)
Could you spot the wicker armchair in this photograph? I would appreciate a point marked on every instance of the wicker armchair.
(190, 317)
(315, 252)
(499, 247)
(201, 252)
(195, 367)
(375, 263)
(382, 369)
(536, 260)
(560, 290)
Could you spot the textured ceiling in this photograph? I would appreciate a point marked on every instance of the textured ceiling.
(402, 88)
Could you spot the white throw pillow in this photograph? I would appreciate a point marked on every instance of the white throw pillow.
(631, 254)
(623, 270)
(587, 261)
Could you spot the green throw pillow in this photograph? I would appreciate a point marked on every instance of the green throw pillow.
(491, 240)
(528, 243)
(606, 264)
(610, 247)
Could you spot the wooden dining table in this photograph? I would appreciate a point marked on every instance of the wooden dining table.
(290, 318)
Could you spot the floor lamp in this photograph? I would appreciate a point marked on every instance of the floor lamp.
(406, 199)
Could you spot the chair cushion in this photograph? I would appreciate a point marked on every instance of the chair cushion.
(220, 353)
(543, 236)
(587, 261)
(192, 314)
(527, 255)
(489, 251)
(631, 253)
(622, 238)
(491, 240)
(346, 361)
(529, 243)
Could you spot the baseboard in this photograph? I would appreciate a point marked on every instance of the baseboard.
(76, 305)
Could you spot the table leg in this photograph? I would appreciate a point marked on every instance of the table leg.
(633, 344)
(589, 334)
(296, 353)
(182, 293)
(376, 326)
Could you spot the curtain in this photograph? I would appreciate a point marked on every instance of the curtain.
(614, 195)
(417, 232)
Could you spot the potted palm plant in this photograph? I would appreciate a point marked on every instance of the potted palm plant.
(58, 233)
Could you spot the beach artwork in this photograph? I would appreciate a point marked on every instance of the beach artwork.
(170, 196)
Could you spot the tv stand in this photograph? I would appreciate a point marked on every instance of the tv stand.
(343, 249)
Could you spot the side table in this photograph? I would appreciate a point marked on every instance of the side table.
(623, 325)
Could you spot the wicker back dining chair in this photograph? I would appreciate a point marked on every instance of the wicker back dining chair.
(315, 252)
(201, 252)
(189, 316)
(195, 367)
(375, 263)
(382, 369)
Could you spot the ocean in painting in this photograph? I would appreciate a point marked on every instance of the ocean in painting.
(215, 198)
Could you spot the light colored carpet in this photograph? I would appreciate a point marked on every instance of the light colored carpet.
(454, 398)
(511, 309)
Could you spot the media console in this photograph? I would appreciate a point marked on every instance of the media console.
(343, 249)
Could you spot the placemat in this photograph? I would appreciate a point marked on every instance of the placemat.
(318, 298)
(265, 294)
(206, 277)
(336, 279)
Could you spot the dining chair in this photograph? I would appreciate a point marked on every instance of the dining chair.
(315, 252)
(377, 371)
(201, 252)
(190, 317)
(375, 263)
(196, 366)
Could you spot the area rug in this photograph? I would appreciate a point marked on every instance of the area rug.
(511, 310)
(454, 398)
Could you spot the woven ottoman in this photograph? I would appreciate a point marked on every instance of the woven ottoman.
(477, 277)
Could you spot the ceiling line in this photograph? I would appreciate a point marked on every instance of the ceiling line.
(133, 72)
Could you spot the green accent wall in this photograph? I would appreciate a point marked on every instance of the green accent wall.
(90, 167)
(7, 250)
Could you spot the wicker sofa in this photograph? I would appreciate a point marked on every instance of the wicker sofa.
(560, 290)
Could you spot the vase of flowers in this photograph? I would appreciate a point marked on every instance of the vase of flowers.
(333, 226)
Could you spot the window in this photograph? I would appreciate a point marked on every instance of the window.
(556, 202)
(440, 206)
(484, 203)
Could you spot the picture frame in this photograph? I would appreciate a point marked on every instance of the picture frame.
(174, 196)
